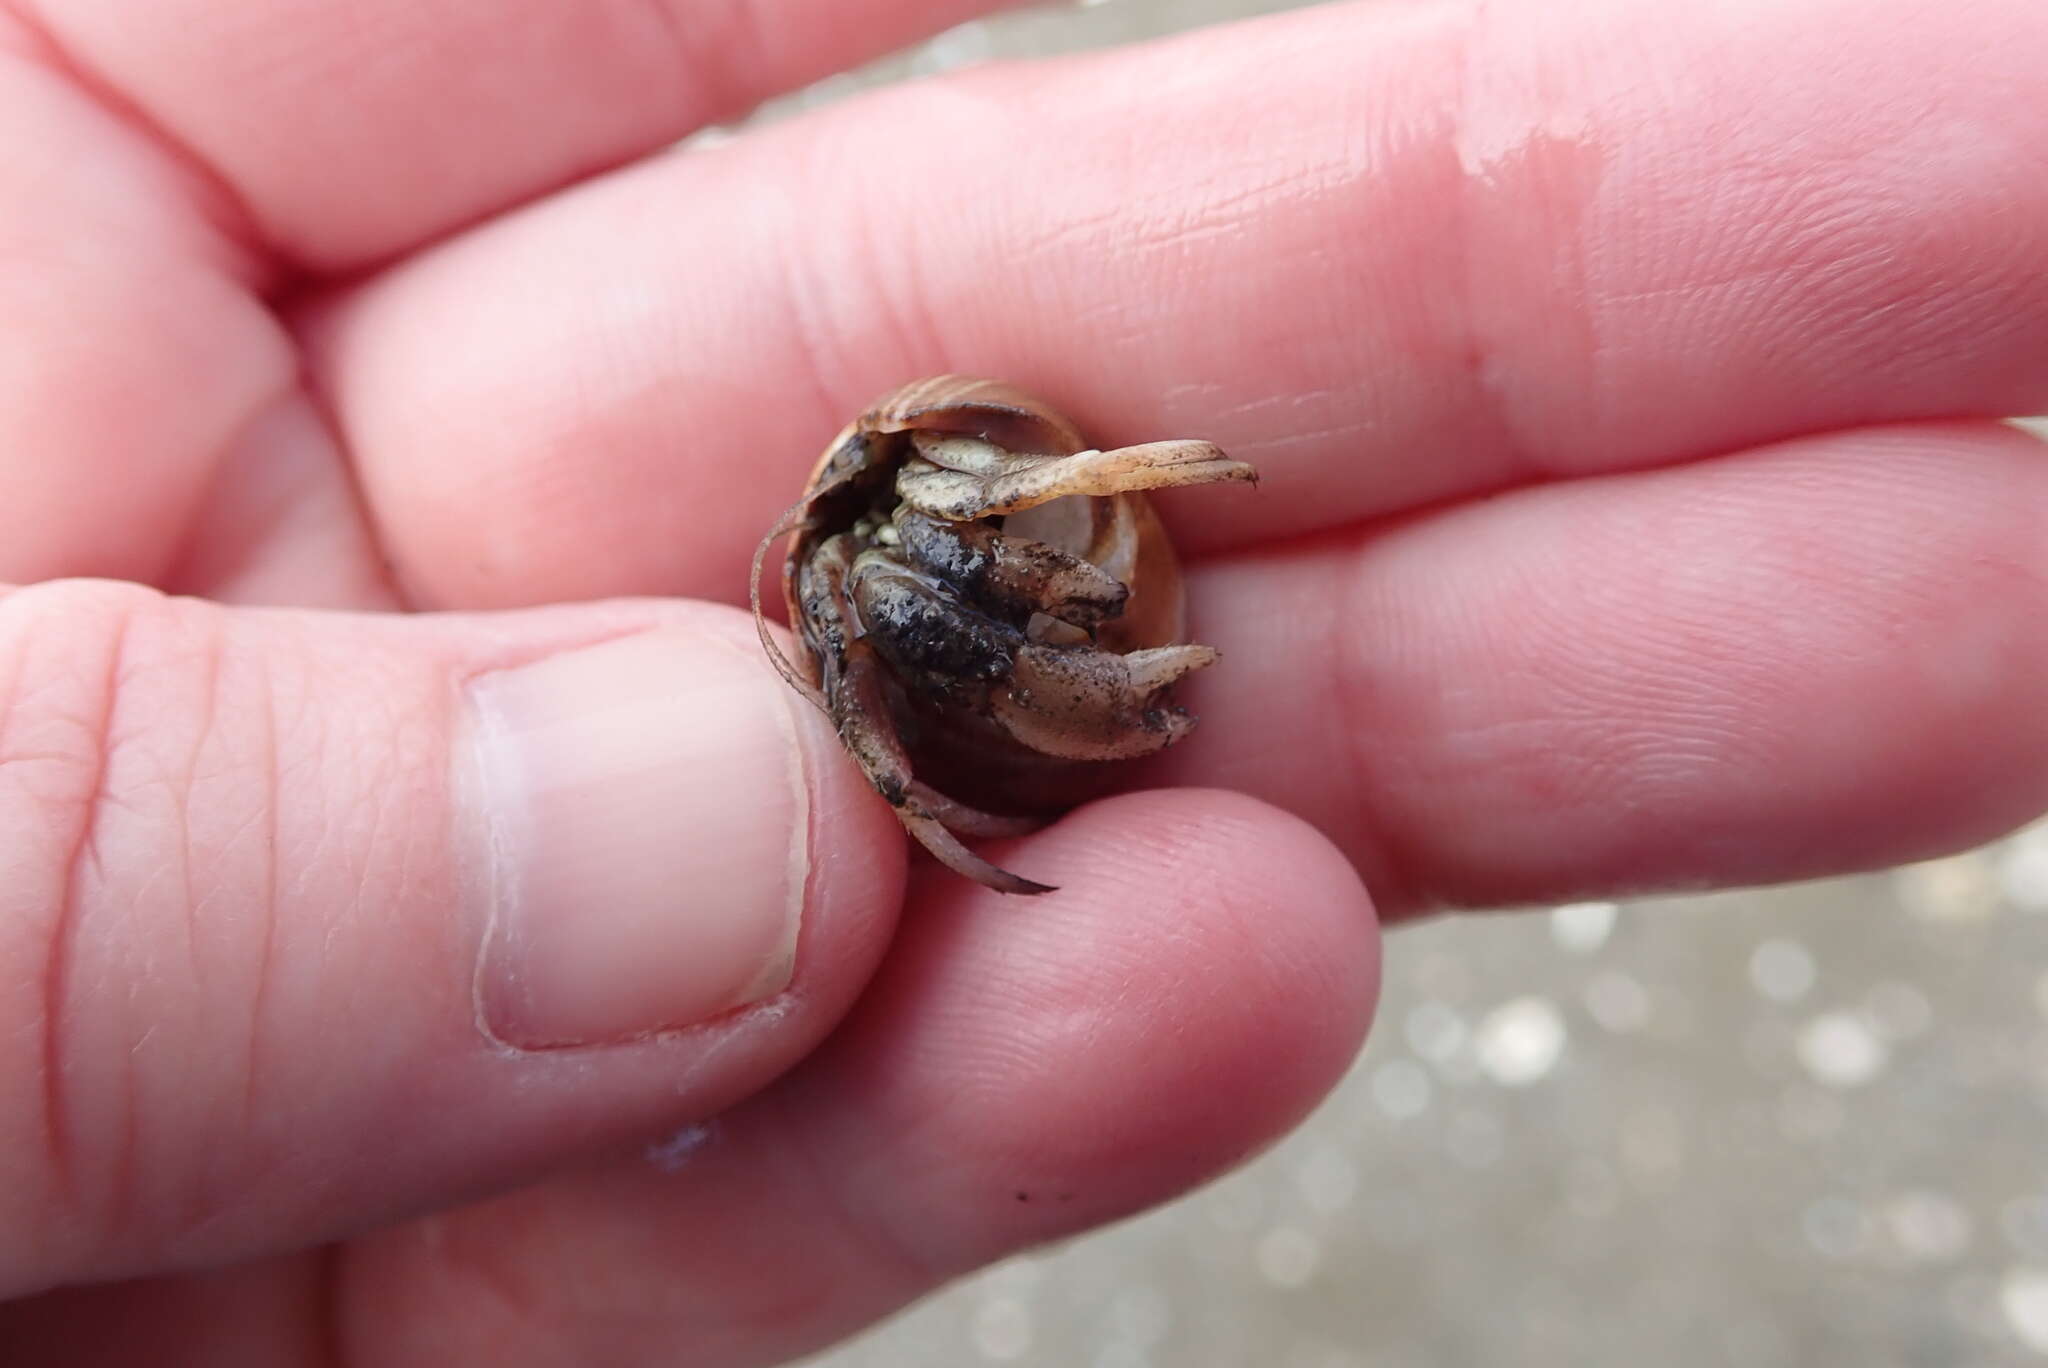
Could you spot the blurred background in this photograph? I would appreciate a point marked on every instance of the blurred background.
(1796, 1126)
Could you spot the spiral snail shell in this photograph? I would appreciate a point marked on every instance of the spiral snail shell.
(987, 608)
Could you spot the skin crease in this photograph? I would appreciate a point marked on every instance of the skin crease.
(1617, 373)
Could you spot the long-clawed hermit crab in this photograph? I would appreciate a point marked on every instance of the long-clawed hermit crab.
(987, 608)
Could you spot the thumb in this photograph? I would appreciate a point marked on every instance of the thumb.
(308, 920)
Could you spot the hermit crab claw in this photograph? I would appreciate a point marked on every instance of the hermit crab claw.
(987, 608)
(964, 477)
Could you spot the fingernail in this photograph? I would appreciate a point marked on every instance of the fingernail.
(639, 816)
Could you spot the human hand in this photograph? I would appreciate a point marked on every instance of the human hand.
(1673, 290)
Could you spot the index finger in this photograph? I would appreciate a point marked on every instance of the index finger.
(1802, 660)
(1390, 254)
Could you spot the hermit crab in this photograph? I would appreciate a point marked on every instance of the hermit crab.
(987, 608)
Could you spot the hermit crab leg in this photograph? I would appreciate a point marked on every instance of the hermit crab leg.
(933, 639)
(969, 821)
(946, 848)
(856, 699)
(861, 712)
(962, 478)
(1081, 704)
(1014, 573)
(1072, 702)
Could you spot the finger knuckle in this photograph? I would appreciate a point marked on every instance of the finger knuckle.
(105, 713)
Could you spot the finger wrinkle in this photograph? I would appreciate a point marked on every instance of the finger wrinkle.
(56, 743)
(211, 196)
(817, 344)
(94, 799)
(134, 346)
(811, 1164)
(713, 40)
(851, 280)
(355, 133)
(1373, 834)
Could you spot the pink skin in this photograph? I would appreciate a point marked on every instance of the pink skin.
(320, 305)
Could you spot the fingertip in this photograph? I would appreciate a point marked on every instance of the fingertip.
(520, 887)
(1204, 975)
(1018, 1071)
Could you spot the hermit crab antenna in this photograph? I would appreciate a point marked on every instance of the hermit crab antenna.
(784, 525)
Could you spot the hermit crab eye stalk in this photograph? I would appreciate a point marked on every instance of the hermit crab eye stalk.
(987, 608)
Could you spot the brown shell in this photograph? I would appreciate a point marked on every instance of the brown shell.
(988, 609)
